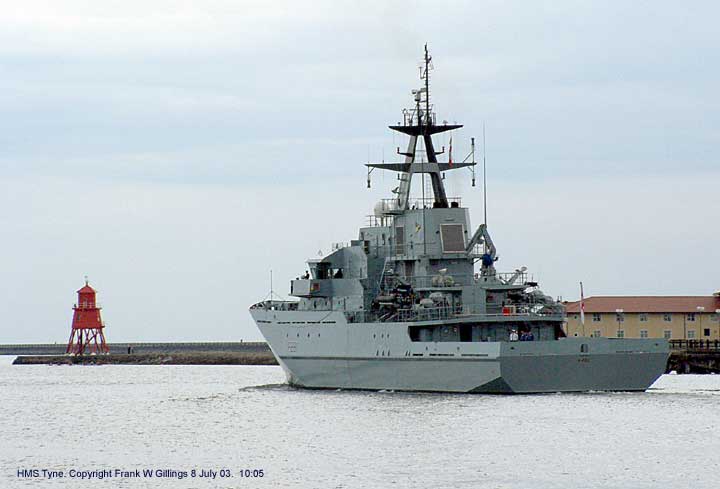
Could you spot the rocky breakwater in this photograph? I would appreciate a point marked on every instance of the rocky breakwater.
(173, 358)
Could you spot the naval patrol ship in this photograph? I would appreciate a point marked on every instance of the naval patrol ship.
(415, 302)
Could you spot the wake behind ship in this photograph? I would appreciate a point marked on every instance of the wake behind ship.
(415, 302)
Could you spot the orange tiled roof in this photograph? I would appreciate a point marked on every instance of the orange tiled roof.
(630, 304)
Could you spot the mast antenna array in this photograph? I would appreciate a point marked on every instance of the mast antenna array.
(425, 75)
(419, 124)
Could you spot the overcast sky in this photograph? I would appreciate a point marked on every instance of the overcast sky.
(177, 151)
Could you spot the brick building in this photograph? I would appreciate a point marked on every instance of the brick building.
(672, 317)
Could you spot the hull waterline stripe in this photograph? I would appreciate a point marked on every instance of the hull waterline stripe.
(391, 359)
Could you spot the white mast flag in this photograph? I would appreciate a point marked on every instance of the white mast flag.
(582, 306)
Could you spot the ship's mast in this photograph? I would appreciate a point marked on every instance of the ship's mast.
(418, 122)
(427, 86)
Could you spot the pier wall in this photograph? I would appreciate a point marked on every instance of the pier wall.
(694, 356)
(120, 348)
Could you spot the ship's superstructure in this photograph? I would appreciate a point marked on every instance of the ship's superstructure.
(415, 302)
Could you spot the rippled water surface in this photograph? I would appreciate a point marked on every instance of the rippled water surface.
(180, 418)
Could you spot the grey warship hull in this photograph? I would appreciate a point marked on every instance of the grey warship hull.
(323, 351)
(415, 303)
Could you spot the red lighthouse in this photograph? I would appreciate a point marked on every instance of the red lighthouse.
(87, 327)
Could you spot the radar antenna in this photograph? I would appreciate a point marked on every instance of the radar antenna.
(419, 122)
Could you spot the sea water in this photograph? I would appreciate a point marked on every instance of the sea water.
(240, 426)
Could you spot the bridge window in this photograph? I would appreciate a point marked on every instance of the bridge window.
(667, 317)
(691, 334)
(643, 333)
(621, 333)
(583, 348)
(706, 332)
(596, 317)
(453, 239)
(643, 317)
(667, 334)
(691, 317)
(320, 271)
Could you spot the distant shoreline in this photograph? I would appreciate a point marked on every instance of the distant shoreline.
(175, 358)
(141, 347)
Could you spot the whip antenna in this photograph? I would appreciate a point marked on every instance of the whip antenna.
(484, 181)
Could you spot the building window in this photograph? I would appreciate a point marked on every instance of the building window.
(691, 334)
(667, 334)
(691, 317)
(620, 317)
(643, 333)
(643, 317)
(596, 317)
(706, 332)
(715, 317)
(596, 334)
(667, 317)
(620, 333)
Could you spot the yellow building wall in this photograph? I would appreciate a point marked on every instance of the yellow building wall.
(680, 325)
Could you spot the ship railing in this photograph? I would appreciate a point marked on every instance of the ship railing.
(695, 345)
(338, 246)
(411, 117)
(390, 206)
(427, 313)
(429, 281)
(439, 281)
(374, 221)
(517, 277)
(428, 202)
(443, 312)
(274, 305)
